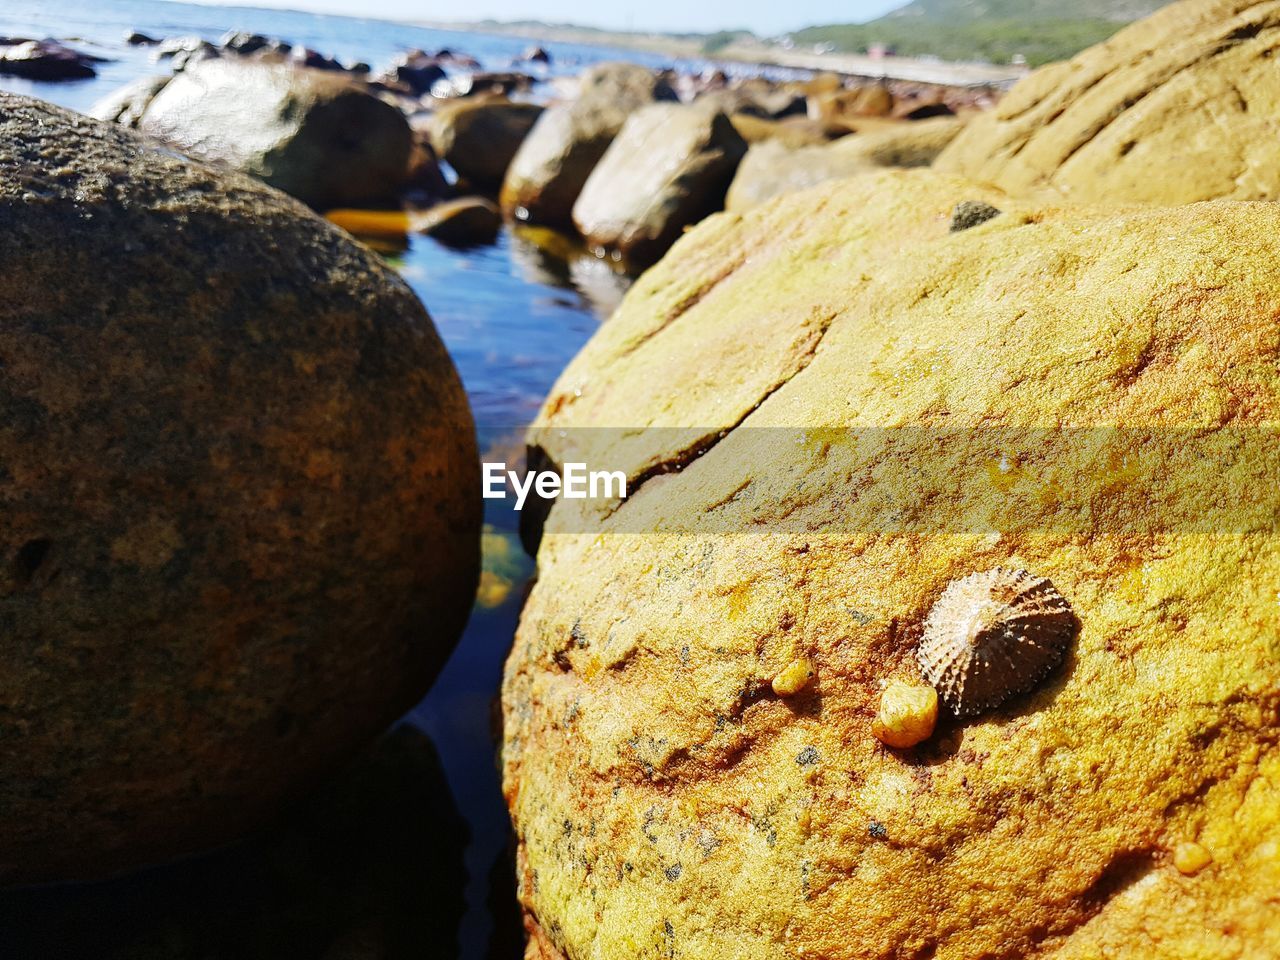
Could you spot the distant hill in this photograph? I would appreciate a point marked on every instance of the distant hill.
(992, 30)
(957, 11)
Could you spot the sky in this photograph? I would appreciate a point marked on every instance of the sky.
(763, 17)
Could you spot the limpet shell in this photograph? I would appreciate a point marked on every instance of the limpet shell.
(993, 635)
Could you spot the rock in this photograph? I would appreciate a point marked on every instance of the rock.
(416, 70)
(242, 516)
(241, 41)
(135, 39)
(174, 45)
(812, 395)
(536, 55)
(181, 61)
(1173, 109)
(467, 221)
(45, 60)
(667, 169)
(478, 138)
(872, 101)
(127, 104)
(771, 168)
(553, 163)
(313, 59)
(792, 132)
(473, 84)
(318, 136)
(922, 111)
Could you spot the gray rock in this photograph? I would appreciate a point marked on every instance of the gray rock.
(317, 135)
(552, 165)
(667, 169)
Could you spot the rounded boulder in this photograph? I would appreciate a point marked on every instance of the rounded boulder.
(241, 499)
(831, 409)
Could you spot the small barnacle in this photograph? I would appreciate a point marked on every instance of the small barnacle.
(794, 677)
(993, 635)
(907, 715)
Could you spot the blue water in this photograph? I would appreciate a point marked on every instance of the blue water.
(511, 316)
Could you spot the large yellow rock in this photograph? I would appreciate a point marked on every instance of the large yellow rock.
(1176, 108)
(861, 407)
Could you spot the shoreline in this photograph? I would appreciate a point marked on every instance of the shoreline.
(754, 52)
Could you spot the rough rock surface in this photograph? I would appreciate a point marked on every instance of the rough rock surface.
(241, 499)
(478, 138)
(772, 168)
(553, 163)
(317, 135)
(669, 803)
(127, 105)
(668, 168)
(1176, 108)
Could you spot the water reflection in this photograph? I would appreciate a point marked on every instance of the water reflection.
(370, 867)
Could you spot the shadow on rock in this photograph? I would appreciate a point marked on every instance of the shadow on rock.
(368, 868)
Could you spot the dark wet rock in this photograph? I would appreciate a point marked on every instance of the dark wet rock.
(136, 39)
(972, 213)
(923, 111)
(242, 512)
(415, 71)
(369, 867)
(127, 105)
(242, 41)
(466, 221)
(536, 55)
(478, 138)
(45, 60)
(667, 169)
(502, 83)
(317, 135)
(553, 163)
(314, 59)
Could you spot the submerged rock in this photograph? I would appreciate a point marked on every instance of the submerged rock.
(668, 168)
(478, 138)
(555, 159)
(319, 136)
(763, 386)
(1175, 108)
(242, 517)
(771, 168)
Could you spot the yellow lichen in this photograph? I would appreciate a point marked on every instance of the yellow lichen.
(907, 714)
(1191, 858)
(794, 677)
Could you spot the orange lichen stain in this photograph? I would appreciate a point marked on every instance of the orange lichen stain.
(149, 544)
